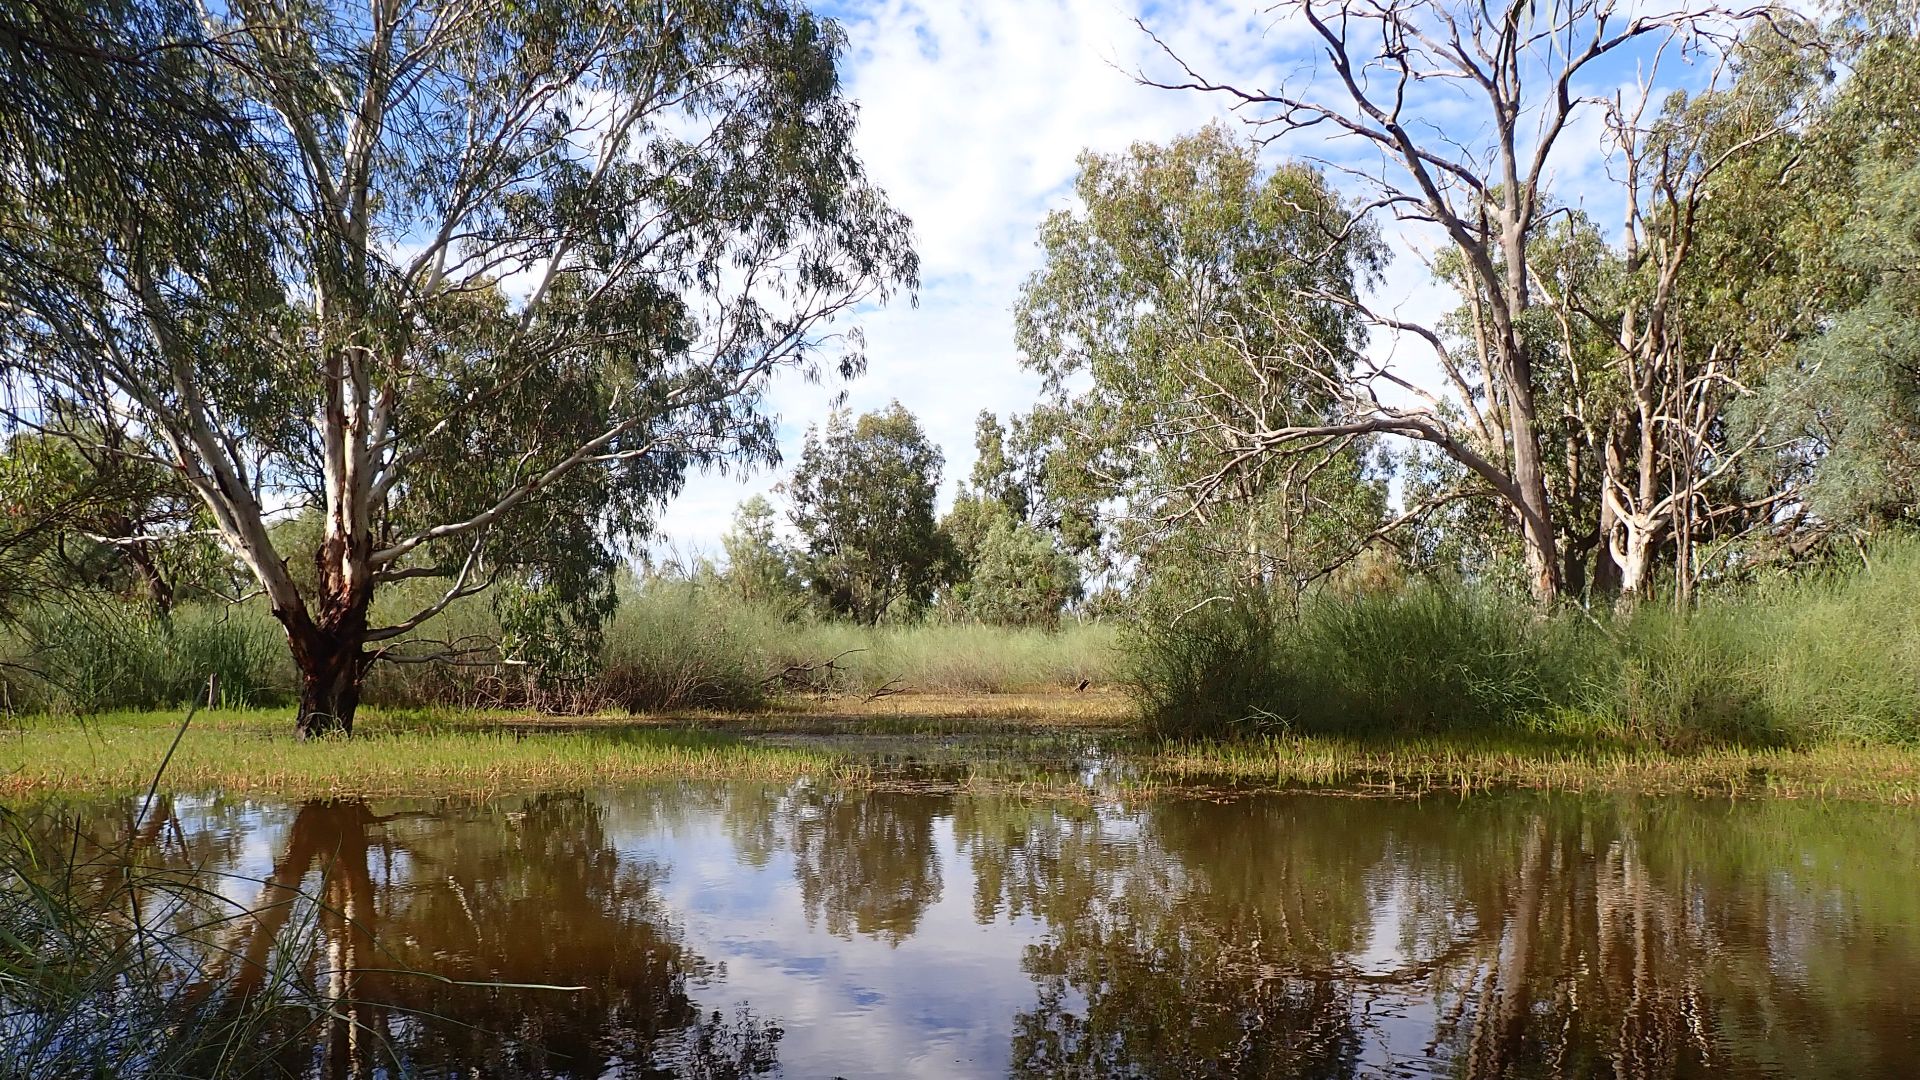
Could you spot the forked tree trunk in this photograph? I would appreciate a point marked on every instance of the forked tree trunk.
(1633, 550)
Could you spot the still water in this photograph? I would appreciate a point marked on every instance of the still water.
(800, 930)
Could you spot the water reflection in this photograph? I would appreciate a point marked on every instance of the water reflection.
(510, 940)
(739, 930)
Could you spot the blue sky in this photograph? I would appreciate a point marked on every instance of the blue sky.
(971, 115)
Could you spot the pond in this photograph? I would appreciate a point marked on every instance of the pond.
(717, 929)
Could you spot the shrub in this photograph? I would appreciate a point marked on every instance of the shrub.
(1420, 659)
(1831, 655)
(105, 654)
(676, 645)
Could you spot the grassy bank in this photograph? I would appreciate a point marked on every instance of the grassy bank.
(1025, 743)
(394, 752)
(1465, 763)
(1823, 658)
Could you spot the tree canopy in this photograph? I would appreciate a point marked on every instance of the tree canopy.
(862, 499)
(1179, 312)
(478, 285)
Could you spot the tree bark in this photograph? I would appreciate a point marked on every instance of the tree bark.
(1536, 522)
(159, 590)
(330, 657)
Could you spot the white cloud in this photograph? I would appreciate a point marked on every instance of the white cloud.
(972, 115)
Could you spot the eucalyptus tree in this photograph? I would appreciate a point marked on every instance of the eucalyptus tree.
(478, 281)
(862, 500)
(760, 567)
(1175, 318)
(1013, 575)
(1674, 368)
(1460, 109)
(77, 519)
(1828, 233)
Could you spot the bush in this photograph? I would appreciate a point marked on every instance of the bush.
(1422, 659)
(677, 645)
(1218, 669)
(105, 654)
(670, 644)
(1832, 655)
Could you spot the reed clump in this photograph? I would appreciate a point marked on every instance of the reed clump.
(1829, 657)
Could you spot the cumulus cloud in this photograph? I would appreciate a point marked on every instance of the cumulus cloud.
(972, 115)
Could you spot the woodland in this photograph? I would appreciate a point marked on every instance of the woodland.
(356, 352)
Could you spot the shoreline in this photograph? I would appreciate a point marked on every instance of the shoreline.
(1035, 744)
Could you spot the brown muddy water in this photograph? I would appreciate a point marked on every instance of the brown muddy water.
(731, 930)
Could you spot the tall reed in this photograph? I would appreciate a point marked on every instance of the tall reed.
(106, 970)
(1831, 655)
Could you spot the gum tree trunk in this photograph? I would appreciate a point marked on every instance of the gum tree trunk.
(332, 661)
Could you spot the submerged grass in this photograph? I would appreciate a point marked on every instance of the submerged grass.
(1466, 763)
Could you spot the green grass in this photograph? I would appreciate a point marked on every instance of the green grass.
(670, 645)
(400, 752)
(1028, 744)
(1468, 762)
(1825, 657)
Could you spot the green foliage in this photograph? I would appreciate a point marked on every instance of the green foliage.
(85, 513)
(862, 500)
(1004, 571)
(760, 568)
(298, 288)
(1807, 264)
(1018, 578)
(1854, 392)
(101, 654)
(1191, 267)
(1833, 656)
(556, 630)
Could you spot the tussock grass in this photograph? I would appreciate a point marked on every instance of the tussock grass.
(671, 645)
(100, 654)
(1826, 657)
(948, 657)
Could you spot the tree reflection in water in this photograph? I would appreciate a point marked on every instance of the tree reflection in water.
(442, 934)
(865, 861)
(1303, 935)
(1504, 937)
